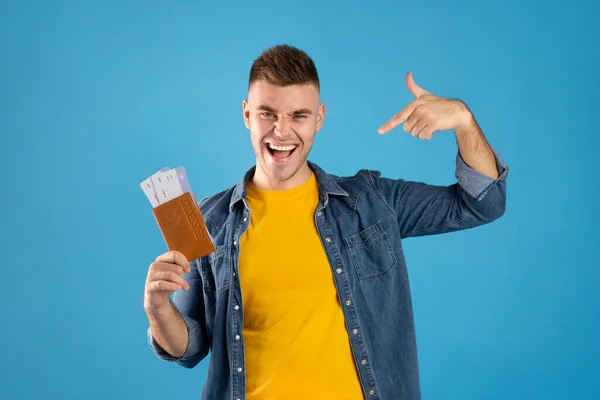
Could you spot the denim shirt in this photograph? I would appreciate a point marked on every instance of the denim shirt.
(361, 221)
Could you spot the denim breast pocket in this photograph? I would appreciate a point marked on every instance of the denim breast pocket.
(371, 252)
(216, 269)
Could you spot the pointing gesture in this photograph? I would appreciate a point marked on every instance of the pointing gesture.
(428, 113)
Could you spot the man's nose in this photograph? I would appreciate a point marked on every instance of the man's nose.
(282, 127)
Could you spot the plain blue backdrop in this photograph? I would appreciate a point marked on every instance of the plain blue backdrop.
(96, 96)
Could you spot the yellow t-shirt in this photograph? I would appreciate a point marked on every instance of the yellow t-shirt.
(296, 345)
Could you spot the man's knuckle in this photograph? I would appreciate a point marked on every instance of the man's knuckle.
(168, 275)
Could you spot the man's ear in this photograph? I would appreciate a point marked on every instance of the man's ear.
(246, 113)
(320, 116)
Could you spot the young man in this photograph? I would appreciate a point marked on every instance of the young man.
(307, 294)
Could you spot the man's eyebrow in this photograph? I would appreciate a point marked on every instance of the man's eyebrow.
(302, 111)
(264, 107)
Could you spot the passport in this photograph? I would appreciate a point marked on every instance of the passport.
(177, 213)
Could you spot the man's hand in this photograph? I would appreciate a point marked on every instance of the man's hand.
(165, 276)
(429, 113)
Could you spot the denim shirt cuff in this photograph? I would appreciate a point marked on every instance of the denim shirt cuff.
(193, 346)
(475, 183)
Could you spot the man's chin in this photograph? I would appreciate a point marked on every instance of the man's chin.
(281, 173)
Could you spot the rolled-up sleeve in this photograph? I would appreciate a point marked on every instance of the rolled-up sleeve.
(194, 347)
(476, 184)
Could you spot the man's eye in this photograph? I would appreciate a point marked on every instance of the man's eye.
(300, 116)
(266, 114)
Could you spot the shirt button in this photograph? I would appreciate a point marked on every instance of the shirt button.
(364, 362)
(235, 243)
(339, 270)
(319, 213)
(237, 337)
(355, 331)
(245, 219)
(328, 239)
(236, 308)
(371, 392)
(348, 302)
(239, 369)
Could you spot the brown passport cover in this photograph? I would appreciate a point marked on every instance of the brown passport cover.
(183, 227)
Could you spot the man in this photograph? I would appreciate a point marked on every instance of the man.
(307, 294)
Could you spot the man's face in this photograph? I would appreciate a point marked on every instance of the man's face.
(282, 123)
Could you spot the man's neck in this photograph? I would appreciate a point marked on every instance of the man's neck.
(262, 181)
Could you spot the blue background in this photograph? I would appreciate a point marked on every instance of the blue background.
(96, 96)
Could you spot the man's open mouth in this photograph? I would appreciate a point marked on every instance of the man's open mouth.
(281, 152)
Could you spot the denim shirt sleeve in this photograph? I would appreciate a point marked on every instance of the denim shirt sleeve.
(475, 183)
(424, 209)
(190, 305)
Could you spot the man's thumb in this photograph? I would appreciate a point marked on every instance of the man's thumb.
(415, 89)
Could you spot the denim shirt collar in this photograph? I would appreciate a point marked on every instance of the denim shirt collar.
(327, 185)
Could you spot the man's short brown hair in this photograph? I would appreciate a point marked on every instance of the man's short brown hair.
(284, 65)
